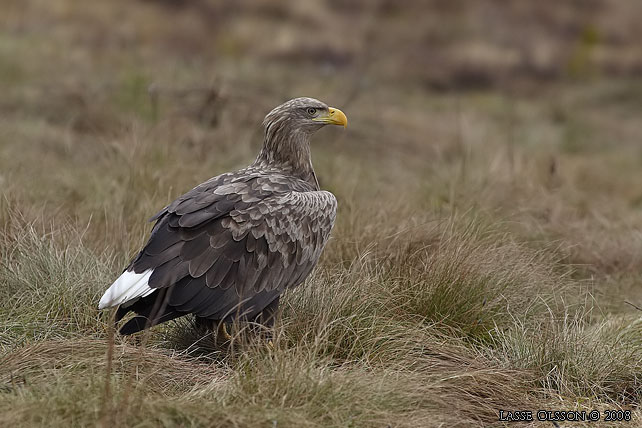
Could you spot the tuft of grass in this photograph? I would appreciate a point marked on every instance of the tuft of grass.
(578, 358)
(50, 283)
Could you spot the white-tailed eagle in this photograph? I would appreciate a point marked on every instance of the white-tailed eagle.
(229, 248)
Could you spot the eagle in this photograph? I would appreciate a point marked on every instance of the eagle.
(227, 249)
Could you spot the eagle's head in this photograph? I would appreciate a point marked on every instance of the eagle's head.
(302, 115)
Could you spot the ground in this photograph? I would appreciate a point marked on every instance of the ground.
(487, 254)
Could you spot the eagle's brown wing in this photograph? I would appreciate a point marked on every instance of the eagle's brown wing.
(234, 244)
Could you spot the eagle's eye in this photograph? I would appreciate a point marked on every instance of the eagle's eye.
(311, 111)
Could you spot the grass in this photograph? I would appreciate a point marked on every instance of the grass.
(486, 244)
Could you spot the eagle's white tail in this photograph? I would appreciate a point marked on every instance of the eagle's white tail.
(129, 286)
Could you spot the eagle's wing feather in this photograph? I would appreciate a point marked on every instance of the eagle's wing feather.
(234, 241)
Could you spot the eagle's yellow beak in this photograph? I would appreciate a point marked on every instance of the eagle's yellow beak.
(334, 117)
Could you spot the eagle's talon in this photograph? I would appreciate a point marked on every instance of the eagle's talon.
(222, 332)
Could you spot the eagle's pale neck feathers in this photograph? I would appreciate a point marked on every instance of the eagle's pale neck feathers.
(287, 148)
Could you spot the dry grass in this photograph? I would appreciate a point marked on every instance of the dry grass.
(487, 237)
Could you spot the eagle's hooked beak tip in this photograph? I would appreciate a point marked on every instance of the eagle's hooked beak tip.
(336, 117)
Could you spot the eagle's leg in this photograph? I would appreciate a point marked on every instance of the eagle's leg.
(266, 319)
(217, 328)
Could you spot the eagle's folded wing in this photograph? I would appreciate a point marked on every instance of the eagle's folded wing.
(220, 247)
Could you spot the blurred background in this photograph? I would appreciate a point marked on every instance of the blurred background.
(527, 112)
